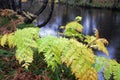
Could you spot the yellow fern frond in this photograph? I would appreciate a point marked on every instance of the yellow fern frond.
(74, 25)
(96, 33)
(77, 59)
(78, 18)
(3, 40)
(0, 39)
(100, 45)
(90, 74)
(10, 40)
(104, 41)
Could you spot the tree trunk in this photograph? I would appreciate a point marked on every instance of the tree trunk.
(38, 12)
(49, 16)
(42, 8)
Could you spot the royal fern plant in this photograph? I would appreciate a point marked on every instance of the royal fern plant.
(76, 52)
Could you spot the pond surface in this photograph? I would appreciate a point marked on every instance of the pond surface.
(106, 21)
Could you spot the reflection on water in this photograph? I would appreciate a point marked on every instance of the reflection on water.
(106, 21)
(108, 24)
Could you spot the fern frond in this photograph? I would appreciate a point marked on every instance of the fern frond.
(96, 33)
(73, 28)
(25, 41)
(90, 74)
(97, 43)
(78, 18)
(24, 55)
(7, 39)
(100, 43)
(111, 67)
(26, 37)
(89, 39)
(116, 72)
(100, 46)
(3, 40)
(108, 72)
(71, 52)
(100, 63)
(10, 40)
(52, 50)
(0, 39)
(76, 57)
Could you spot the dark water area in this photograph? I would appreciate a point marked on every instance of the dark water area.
(106, 21)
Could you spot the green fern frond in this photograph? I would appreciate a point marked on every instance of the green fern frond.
(52, 49)
(89, 39)
(100, 63)
(25, 41)
(26, 37)
(73, 28)
(111, 67)
(71, 52)
(116, 72)
(108, 71)
(24, 55)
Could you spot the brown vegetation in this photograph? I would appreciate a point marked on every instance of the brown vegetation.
(11, 26)
(23, 75)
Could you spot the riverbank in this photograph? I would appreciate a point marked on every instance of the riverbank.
(100, 4)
